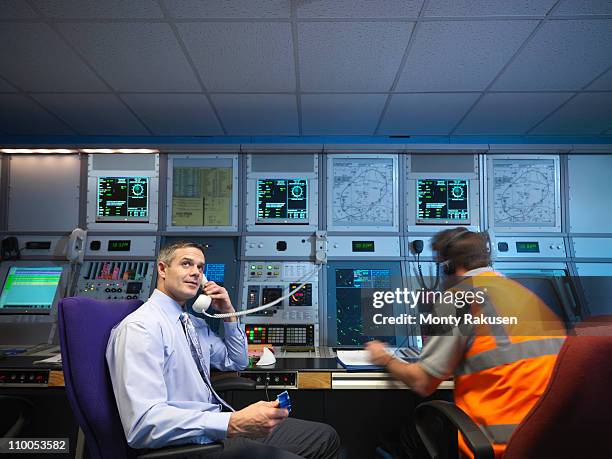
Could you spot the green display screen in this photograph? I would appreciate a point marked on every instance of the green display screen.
(119, 246)
(363, 246)
(527, 247)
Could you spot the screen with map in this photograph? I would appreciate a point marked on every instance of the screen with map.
(525, 193)
(362, 192)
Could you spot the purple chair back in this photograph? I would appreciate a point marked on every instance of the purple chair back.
(84, 327)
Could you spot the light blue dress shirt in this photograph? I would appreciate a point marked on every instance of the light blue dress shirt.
(161, 396)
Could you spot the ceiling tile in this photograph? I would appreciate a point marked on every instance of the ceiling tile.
(95, 9)
(563, 54)
(461, 56)
(257, 114)
(242, 56)
(509, 113)
(175, 114)
(5, 87)
(359, 9)
(134, 57)
(341, 114)
(571, 7)
(34, 58)
(16, 9)
(355, 56)
(587, 114)
(93, 114)
(425, 114)
(476, 8)
(235, 9)
(604, 82)
(21, 116)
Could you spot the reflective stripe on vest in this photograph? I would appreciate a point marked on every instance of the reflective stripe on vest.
(509, 353)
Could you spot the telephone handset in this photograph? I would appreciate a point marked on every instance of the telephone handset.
(202, 303)
(75, 250)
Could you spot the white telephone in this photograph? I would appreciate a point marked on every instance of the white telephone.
(202, 303)
(75, 249)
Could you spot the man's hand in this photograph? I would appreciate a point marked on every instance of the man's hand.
(378, 353)
(256, 420)
(220, 298)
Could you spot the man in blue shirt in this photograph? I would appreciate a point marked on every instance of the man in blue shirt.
(159, 360)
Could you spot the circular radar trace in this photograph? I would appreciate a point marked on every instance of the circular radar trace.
(297, 191)
(137, 189)
(457, 192)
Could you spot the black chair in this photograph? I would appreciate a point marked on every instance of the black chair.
(16, 412)
(85, 325)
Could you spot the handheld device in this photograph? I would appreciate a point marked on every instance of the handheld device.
(284, 401)
(75, 250)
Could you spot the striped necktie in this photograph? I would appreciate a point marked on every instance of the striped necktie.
(196, 353)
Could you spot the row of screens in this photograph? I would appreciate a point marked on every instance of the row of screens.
(279, 200)
(33, 290)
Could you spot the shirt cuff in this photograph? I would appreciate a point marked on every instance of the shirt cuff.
(216, 426)
(233, 328)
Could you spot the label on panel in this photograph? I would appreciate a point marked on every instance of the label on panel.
(363, 192)
(524, 193)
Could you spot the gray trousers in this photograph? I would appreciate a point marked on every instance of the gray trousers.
(292, 439)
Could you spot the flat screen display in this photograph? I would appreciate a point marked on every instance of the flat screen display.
(122, 199)
(30, 290)
(442, 202)
(282, 201)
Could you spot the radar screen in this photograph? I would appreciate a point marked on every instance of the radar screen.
(303, 297)
(282, 201)
(442, 202)
(123, 199)
(350, 284)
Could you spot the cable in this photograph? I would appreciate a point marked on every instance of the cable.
(264, 306)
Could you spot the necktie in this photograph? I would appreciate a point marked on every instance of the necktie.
(198, 356)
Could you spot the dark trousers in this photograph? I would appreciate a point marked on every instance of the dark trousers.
(292, 439)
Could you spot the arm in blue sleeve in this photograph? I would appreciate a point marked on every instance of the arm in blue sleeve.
(136, 361)
(229, 353)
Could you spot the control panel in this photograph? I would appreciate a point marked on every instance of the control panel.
(267, 281)
(281, 335)
(272, 379)
(115, 280)
(528, 247)
(24, 378)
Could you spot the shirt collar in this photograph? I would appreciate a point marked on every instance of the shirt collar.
(169, 307)
(474, 272)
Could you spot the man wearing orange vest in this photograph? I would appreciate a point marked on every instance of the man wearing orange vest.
(500, 370)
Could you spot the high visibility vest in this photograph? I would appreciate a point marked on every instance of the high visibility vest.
(506, 368)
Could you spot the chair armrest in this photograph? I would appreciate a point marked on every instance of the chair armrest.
(182, 451)
(437, 421)
(233, 383)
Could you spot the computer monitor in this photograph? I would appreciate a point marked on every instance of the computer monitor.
(30, 290)
(349, 305)
(282, 200)
(122, 199)
(442, 202)
(215, 272)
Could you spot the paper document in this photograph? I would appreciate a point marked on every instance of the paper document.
(354, 358)
(57, 359)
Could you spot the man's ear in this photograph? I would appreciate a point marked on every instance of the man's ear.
(161, 270)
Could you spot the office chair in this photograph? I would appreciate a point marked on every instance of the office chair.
(84, 326)
(571, 419)
(22, 409)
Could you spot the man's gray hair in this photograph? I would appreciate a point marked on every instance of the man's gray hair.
(166, 254)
